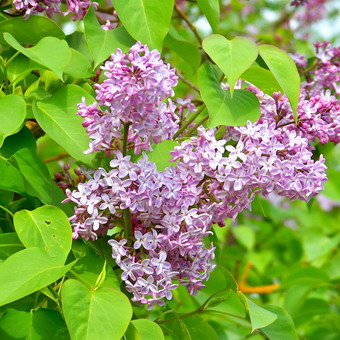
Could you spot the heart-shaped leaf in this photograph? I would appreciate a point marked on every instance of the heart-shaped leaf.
(146, 21)
(47, 228)
(233, 57)
(103, 313)
(224, 109)
(101, 42)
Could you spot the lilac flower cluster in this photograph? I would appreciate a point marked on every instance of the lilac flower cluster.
(134, 89)
(326, 72)
(165, 218)
(310, 11)
(261, 159)
(76, 7)
(167, 229)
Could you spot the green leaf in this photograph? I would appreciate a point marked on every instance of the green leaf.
(224, 110)
(161, 154)
(12, 115)
(233, 57)
(101, 42)
(188, 52)
(26, 272)
(146, 21)
(176, 328)
(41, 53)
(282, 327)
(57, 117)
(245, 235)
(9, 244)
(47, 228)
(262, 78)
(18, 69)
(146, 330)
(35, 325)
(79, 66)
(11, 178)
(38, 182)
(9, 322)
(211, 9)
(6, 197)
(95, 314)
(31, 30)
(259, 317)
(22, 139)
(285, 72)
(87, 270)
(199, 328)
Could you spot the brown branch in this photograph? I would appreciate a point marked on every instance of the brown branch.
(56, 158)
(186, 81)
(189, 23)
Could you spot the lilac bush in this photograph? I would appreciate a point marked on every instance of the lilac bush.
(165, 216)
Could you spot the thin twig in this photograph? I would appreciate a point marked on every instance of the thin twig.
(56, 158)
(186, 81)
(189, 121)
(197, 125)
(189, 23)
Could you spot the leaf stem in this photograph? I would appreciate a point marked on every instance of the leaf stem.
(189, 121)
(200, 309)
(125, 138)
(8, 211)
(187, 82)
(198, 124)
(127, 224)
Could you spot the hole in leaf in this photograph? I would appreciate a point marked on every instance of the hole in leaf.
(54, 236)
(48, 222)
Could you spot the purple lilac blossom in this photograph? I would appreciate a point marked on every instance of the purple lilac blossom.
(173, 211)
(309, 11)
(168, 231)
(76, 7)
(326, 72)
(133, 92)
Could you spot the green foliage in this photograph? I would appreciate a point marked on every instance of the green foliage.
(284, 71)
(233, 57)
(28, 271)
(30, 31)
(144, 329)
(211, 9)
(153, 16)
(161, 154)
(47, 228)
(104, 313)
(277, 274)
(102, 43)
(224, 109)
(40, 53)
(56, 116)
(34, 325)
(12, 114)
